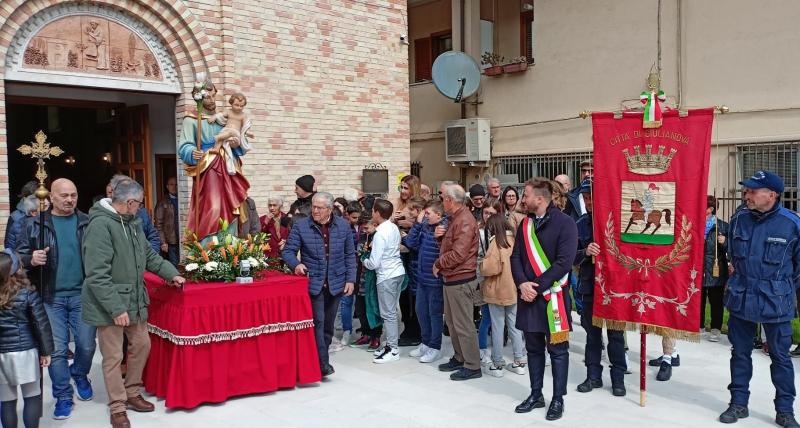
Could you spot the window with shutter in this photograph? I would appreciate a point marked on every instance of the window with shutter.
(422, 59)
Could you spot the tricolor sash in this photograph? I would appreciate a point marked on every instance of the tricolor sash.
(557, 315)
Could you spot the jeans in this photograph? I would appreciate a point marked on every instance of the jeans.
(505, 316)
(779, 339)
(388, 300)
(324, 307)
(173, 254)
(483, 328)
(346, 312)
(430, 308)
(594, 346)
(65, 317)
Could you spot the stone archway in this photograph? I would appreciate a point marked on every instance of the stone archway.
(167, 31)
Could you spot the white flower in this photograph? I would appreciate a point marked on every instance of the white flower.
(198, 85)
(203, 93)
(253, 262)
(211, 266)
(198, 97)
(215, 240)
(191, 267)
(200, 78)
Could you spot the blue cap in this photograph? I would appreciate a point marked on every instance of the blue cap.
(586, 186)
(764, 180)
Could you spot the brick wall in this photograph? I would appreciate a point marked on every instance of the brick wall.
(327, 81)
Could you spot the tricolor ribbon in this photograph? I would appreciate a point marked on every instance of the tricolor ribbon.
(557, 315)
(652, 108)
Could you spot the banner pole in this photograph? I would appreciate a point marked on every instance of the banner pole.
(643, 368)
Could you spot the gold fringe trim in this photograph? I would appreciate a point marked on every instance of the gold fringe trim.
(649, 328)
(559, 337)
(229, 335)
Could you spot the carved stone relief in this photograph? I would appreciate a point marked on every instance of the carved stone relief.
(91, 44)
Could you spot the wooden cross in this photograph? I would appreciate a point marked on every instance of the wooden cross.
(40, 150)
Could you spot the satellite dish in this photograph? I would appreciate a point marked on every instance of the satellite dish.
(456, 75)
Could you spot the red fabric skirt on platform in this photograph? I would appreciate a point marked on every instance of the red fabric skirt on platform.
(213, 341)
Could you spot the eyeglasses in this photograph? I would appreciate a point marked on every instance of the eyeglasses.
(313, 208)
(140, 202)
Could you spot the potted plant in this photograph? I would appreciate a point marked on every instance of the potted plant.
(494, 60)
(517, 64)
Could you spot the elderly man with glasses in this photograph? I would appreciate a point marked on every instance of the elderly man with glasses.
(326, 247)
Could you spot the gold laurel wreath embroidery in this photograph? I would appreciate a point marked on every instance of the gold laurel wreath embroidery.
(644, 300)
(678, 255)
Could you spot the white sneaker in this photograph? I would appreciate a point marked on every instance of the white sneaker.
(418, 351)
(345, 338)
(430, 356)
(486, 357)
(493, 370)
(387, 355)
(336, 345)
(517, 367)
(714, 337)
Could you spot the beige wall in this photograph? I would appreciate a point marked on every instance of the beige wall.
(595, 54)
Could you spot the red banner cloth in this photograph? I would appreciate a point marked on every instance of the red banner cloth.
(649, 217)
(213, 341)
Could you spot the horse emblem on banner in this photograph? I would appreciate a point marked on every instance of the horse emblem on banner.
(652, 205)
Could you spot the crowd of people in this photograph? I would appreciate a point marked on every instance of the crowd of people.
(478, 266)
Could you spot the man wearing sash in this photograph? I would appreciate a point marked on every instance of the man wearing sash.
(544, 251)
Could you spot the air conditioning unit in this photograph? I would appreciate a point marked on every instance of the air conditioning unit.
(467, 140)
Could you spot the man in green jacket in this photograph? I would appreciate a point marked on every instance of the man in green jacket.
(115, 255)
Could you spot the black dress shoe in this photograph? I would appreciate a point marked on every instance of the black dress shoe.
(555, 411)
(618, 390)
(733, 414)
(676, 362)
(786, 420)
(327, 370)
(466, 374)
(409, 341)
(665, 372)
(530, 403)
(589, 384)
(451, 365)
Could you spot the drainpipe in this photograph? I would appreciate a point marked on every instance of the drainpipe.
(462, 7)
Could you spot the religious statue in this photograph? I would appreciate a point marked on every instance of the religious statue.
(100, 52)
(218, 193)
(236, 126)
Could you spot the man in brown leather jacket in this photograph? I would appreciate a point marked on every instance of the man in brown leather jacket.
(457, 264)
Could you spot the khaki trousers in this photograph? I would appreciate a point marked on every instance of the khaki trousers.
(109, 339)
(458, 307)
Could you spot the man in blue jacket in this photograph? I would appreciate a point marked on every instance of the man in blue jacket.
(764, 245)
(325, 244)
(557, 238)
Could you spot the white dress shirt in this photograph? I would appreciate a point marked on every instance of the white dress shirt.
(385, 256)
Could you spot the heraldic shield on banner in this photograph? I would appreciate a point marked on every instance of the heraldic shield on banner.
(649, 211)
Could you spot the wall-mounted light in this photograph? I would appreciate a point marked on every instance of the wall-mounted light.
(70, 160)
(107, 157)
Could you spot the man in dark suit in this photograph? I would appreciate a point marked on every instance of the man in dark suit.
(555, 244)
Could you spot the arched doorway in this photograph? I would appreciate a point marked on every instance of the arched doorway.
(106, 80)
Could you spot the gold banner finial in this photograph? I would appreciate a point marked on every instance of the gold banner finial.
(40, 150)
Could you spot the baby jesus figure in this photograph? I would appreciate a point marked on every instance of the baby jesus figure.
(236, 128)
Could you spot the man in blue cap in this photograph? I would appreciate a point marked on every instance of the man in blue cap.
(765, 254)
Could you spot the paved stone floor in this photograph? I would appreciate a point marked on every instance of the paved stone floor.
(410, 394)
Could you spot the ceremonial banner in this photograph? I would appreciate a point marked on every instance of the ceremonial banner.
(649, 202)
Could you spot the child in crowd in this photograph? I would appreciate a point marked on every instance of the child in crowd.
(485, 316)
(352, 213)
(500, 294)
(27, 343)
(385, 261)
(366, 306)
(430, 297)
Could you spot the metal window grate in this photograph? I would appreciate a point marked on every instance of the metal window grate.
(416, 168)
(529, 166)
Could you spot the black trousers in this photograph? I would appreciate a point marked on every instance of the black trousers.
(324, 307)
(714, 296)
(594, 347)
(535, 344)
(361, 313)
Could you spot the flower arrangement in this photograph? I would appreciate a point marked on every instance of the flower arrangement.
(200, 90)
(220, 258)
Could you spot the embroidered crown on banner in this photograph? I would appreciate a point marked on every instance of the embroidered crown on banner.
(649, 163)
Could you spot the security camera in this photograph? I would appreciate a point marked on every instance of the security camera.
(404, 39)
